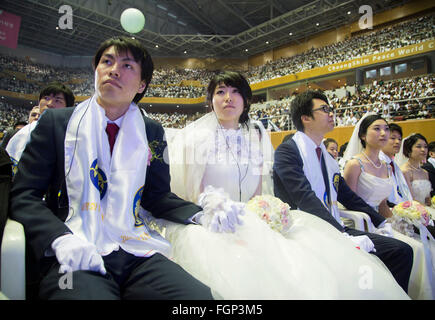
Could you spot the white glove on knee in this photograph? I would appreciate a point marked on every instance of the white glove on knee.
(362, 242)
(386, 230)
(220, 213)
(74, 254)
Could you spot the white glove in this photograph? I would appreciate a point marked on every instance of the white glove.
(74, 254)
(386, 230)
(362, 242)
(221, 214)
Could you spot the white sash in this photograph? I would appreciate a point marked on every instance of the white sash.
(400, 190)
(18, 142)
(313, 172)
(104, 191)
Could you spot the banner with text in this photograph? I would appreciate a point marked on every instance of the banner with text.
(9, 29)
(390, 55)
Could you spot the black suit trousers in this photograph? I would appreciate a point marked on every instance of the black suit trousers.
(395, 254)
(128, 278)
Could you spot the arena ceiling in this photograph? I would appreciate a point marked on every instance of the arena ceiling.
(196, 28)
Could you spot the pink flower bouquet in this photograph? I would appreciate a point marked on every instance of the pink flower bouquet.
(272, 210)
(409, 213)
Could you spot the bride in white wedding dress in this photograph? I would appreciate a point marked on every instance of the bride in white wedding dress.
(225, 150)
(371, 179)
(415, 150)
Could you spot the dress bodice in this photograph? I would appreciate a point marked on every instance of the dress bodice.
(234, 163)
(373, 189)
(421, 189)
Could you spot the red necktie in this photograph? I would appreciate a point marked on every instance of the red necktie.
(392, 167)
(112, 130)
(319, 152)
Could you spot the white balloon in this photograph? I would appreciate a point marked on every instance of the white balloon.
(132, 20)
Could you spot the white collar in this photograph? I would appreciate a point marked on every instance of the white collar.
(117, 121)
(310, 142)
(384, 157)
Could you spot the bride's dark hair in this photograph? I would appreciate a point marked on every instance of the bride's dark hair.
(365, 124)
(236, 80)
(409, 142)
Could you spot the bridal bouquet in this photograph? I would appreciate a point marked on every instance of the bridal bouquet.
(409, 213)
(433, 202)
(272, 210)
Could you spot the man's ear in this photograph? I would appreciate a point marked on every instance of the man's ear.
(305, 118)
(142, 87)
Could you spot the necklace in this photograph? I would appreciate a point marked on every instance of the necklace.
(374, 165)
(414, 167)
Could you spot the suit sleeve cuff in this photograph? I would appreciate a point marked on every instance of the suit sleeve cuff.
(196, 218)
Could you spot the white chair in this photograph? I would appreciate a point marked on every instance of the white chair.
(13, 262)
(361, 219)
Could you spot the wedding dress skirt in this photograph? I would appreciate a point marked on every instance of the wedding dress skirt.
(421, 190)
(421, 286)
(313, 261)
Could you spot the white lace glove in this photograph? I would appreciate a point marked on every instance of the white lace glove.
(74, 254)
(220, 213)
(386, 230)
(362, 242)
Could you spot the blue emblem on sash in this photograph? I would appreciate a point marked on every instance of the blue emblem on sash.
(98, 178)
(398, 192)
(14, 166)
(335, 181)
(325, 199)
(136, 207)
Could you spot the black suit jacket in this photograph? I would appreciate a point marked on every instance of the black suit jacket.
(8, 136)
(41, 171)
(431, 170)
(5, 186)
(292, 187)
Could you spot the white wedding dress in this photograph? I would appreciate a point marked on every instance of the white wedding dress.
(373, 190)
(314, 260)
(421, 189)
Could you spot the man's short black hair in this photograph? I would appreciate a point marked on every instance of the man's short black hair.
(395, 127)
(302, 105)
(56, 87)
(20, 122)
(140, 55)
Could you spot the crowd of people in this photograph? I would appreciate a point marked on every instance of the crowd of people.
(11, 114)
(167, 82)
(401, 99)
(392, 37)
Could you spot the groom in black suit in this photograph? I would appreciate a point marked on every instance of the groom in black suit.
(312, 115)
(39, 197)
